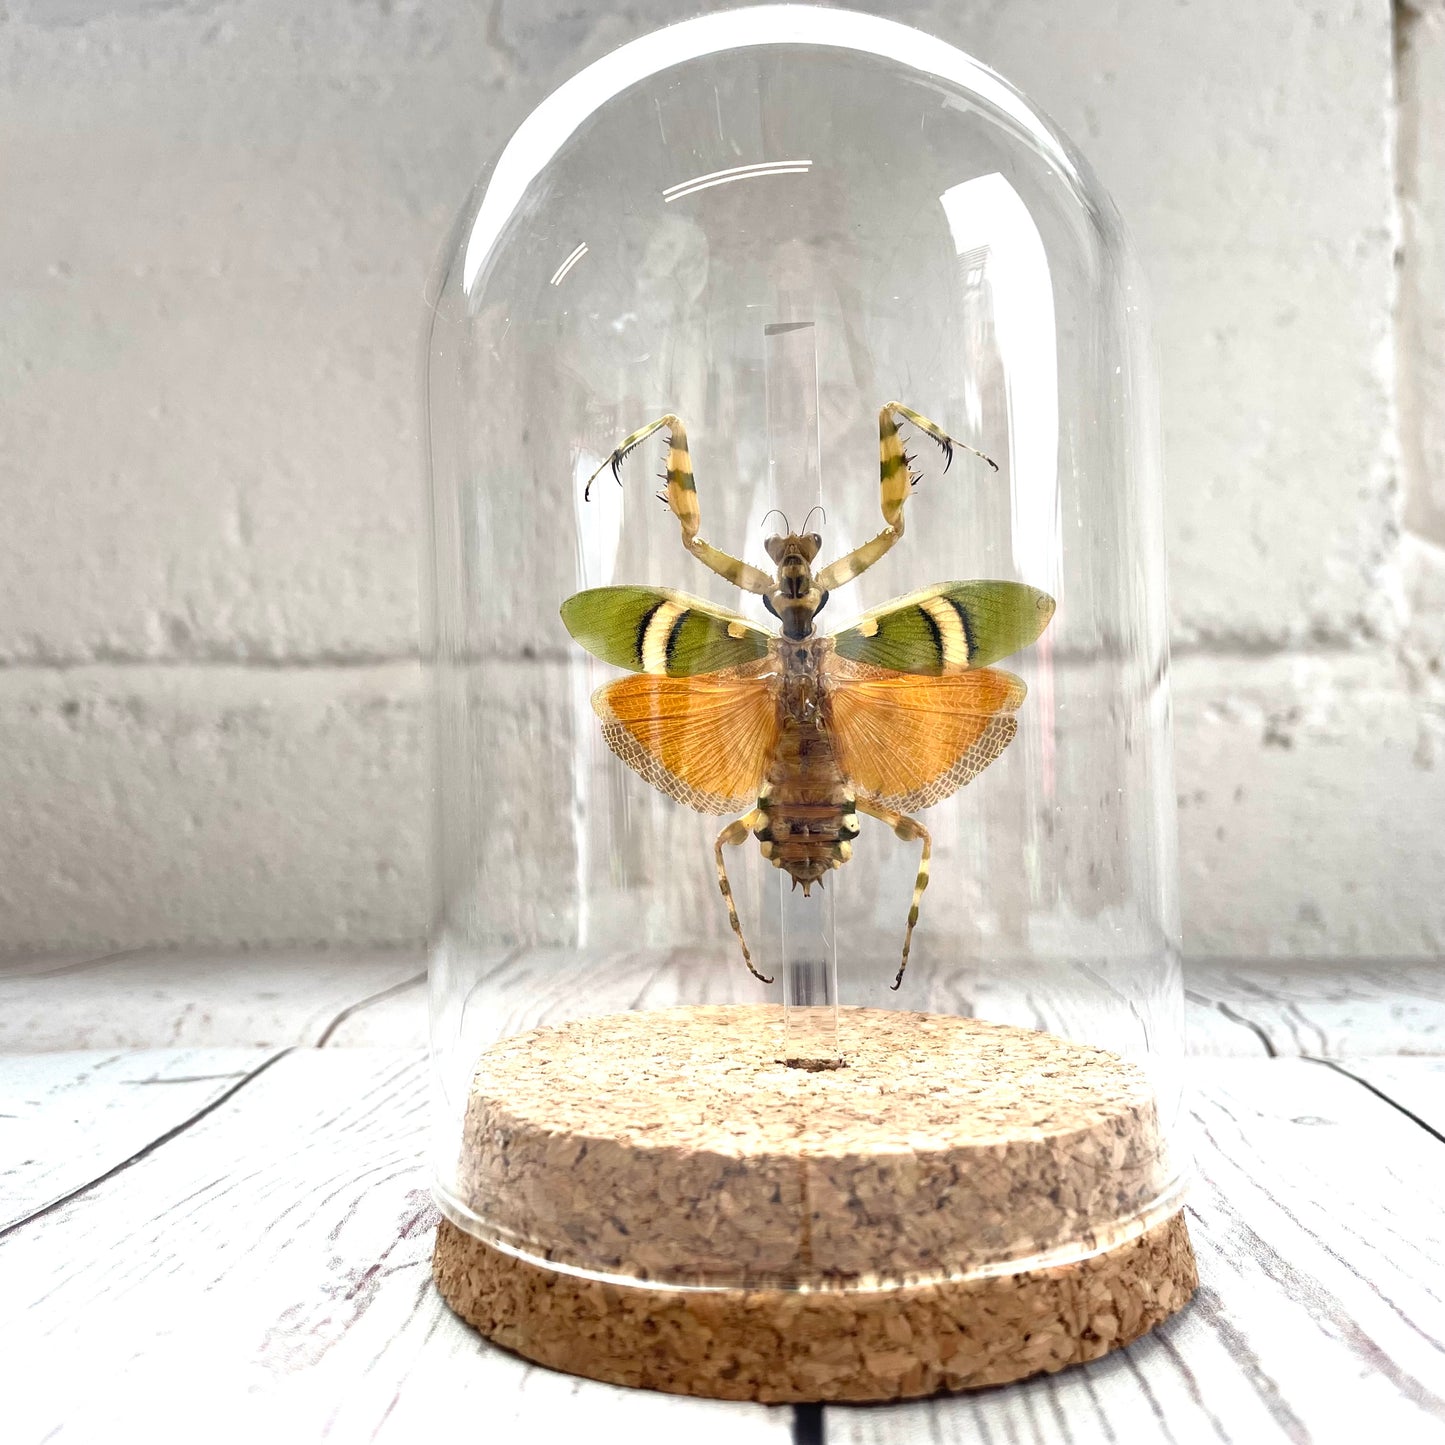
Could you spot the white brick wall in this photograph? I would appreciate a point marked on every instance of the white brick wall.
(217, 222)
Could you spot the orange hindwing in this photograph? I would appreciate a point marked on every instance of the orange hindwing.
(910, 741)
(704, 741)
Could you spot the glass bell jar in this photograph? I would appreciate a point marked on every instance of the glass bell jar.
(797, 613)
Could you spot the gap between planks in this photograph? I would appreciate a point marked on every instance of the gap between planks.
(91, 1180)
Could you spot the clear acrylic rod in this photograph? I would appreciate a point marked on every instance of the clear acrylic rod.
(807, 952)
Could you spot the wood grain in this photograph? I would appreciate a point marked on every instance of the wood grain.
(1328, 1008)
(142, 1001)
(69, 1118)
(393, 1019)
(1321, 1311)
(544, 986)
(267, 1271)
(1415, 1086)
(520, 989)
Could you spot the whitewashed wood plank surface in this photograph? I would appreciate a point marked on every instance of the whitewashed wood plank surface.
(1321, 1316)
(67, 1119)
(1415, 1085)
(536, 988)
(140, 1001)
(395, 1019)
(1328, 1008)
(1325, 1014)
(527, 988)
(1212, 1035)
(399, 1020)
(265, 1273)
(52, 965)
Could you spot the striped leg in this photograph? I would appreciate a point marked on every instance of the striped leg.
(732, 836)
(681, 498)
(909, 829)
(946, 443)
(895, 481)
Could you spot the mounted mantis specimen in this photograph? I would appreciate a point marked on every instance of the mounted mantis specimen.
(803, 731)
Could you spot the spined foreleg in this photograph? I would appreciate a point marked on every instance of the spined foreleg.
(895, 481)
(681, 498)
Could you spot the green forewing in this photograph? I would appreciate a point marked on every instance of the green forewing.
(948, 628)
(653, 629)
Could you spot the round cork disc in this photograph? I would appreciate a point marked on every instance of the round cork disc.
(853, 1233)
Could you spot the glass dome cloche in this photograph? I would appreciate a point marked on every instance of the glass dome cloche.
(805, 1001)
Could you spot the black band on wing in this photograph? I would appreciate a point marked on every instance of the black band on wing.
(644, 621)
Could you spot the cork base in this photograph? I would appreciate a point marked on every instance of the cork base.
(779, 1233)
(783, 1346)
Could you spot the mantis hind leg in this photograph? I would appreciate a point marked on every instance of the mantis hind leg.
(681, 498)
(909, 830)
(731, 836)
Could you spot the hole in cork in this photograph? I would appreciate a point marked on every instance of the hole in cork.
(814, 1066)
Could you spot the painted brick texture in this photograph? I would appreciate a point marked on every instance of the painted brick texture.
(220, 218)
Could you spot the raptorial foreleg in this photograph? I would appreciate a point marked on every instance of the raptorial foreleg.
(731, 836)
(895, 482)
(909, 830)
(681, 498)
